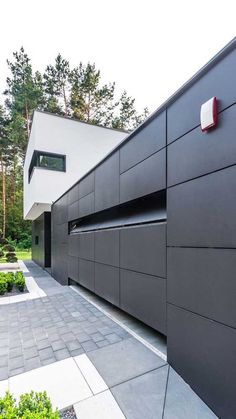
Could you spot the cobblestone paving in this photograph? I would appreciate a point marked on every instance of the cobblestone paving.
(38, 332)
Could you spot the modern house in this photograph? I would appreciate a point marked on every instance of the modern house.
(60, 150)
(151, 227)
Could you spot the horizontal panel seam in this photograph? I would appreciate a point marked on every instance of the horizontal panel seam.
(201, 315)
(150, 155)
(198, 125)
(200, 247)
(119, 267)
(201, 176)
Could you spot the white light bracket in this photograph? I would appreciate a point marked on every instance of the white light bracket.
(208, 114)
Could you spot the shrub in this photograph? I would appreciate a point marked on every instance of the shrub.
(31, 406)
(10, 279)
(1, 253)
(3, 285)
(20, 281)
(11, 257)
(9, 248)
(3, 241)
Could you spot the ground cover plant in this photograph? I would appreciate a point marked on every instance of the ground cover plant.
(9, 280)
(30, 406)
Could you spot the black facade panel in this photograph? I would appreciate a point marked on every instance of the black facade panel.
(73, 211)
(183, 114)
(198, 153)
(203, 281)
(73, 194)
(144, 178)
(41, 240)
(86, 274)
(38, 241)
(144, 296)
(107, 183)
(59, 267)
(146, 142)
(107, 247)
(201, 212)
(86, 246)
(107, 282)
(86, 205)
(143, 249)
(73, 268)
(86, 185)
(73, 245)
(203, 353)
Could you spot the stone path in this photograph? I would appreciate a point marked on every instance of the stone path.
(46, 342)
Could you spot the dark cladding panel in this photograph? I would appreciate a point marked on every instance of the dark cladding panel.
(184, 114)
(144, 178)
(86, 185)
(73, 268)
(86, 205)
(73, 211)
(107, 282)
(146, 142)
(107, 183)
(86, 246)
(144, 296)
(203, 281)
(143, 249)
(86, 274)
(201, 212)
(107, 247)
(73, 194)
(203, 353)
(73, 245)
(198, 153)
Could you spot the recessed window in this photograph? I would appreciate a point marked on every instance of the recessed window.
(36, 239)
(49, 161)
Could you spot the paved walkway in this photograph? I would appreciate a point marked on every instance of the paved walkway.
(65, 344)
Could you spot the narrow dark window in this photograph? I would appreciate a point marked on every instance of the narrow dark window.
(49, 161)
(36, 239)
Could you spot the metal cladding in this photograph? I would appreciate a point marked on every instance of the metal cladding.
(152, 229)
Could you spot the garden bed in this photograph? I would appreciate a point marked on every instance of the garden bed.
(12, 283)
(68, 414)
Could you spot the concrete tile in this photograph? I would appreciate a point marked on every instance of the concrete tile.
(101, 406)
(62, 381)
(61, 354)
(182, 402)
(91, 375)
(59, 344)
(32, 363)
(133, 356)
(89, 345)
(3, 373)
(45, 353)
(143, 397)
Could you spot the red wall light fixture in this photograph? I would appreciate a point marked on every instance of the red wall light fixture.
(208, 114)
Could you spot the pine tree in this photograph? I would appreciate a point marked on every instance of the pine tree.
(56, 85)
(89, 101)
(127, 117)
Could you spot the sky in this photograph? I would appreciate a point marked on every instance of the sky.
(150, 48)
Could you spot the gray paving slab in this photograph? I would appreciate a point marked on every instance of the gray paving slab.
(182, 402)
(143, 396)
(38, 332)
(124, 360)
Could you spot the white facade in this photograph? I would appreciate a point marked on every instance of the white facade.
(84, 145)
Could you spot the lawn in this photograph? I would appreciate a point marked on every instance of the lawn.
(21, 254)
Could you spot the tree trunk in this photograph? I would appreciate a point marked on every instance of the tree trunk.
(65, 101)
(3, 197)
(27, 118)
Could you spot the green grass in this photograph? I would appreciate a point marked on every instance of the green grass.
(21, 254)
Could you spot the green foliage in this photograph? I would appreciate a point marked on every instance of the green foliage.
(20, 281)
(3, 285)
(9, 248)
(10, 279)
(31, 406)
(1, 253)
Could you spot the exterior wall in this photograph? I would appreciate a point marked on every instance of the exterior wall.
(41, 240)
(76, 140)
(157, 232)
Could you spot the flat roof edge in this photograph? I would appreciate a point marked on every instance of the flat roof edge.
(227, 49)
